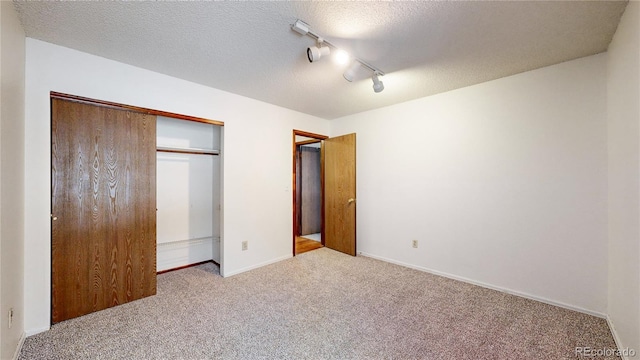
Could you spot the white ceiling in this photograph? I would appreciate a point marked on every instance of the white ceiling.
(248, 48)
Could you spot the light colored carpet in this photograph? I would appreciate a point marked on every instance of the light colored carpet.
(322, 305)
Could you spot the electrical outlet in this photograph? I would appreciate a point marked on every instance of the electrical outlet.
(10, 317)
(414, 243)
(245, 245)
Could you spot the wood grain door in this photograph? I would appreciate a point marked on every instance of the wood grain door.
(103, 239)
(340, 193)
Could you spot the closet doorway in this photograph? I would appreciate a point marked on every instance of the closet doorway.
(188, 195)
(134, 191)
(324, 196)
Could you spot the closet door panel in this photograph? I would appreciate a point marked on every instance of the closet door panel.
(103, 208)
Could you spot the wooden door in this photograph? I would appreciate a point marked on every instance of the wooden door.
(103, 240)
(340, 193)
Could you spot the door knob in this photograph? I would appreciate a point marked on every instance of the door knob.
(351, 200)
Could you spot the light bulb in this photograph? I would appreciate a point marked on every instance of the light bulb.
(341, 57)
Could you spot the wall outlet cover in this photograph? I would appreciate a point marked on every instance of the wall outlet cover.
(10, 317)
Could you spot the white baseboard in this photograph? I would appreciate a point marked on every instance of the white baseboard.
(616, 338)
(488, 286)
(16, 354)
(171, 255)
(32, 332)
(269, 262)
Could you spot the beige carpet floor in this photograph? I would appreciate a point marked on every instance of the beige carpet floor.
(322, 305)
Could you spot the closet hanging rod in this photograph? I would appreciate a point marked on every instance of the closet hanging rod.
(188, 151)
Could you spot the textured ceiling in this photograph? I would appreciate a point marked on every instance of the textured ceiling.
(248, 48)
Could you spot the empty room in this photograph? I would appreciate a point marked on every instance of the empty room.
(320, 180)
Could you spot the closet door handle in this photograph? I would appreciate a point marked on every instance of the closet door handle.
(352, 200)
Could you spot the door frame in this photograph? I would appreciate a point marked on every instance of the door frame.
(316, 137)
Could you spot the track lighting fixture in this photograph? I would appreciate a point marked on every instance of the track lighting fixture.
(314, 53)
(300, 27)
(323, 48)
(351, 71)
(378, 86)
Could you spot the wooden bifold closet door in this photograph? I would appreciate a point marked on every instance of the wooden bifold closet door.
(103, 240)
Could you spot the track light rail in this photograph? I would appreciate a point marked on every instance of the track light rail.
(303, 28)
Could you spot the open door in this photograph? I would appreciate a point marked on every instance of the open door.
(340, 193)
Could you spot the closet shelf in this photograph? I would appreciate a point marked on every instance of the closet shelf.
(188, 150)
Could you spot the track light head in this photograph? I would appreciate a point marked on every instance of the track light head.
(351, 71)
(378, 86)
(314, 53)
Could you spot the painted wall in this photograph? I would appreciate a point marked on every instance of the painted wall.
(12, 75)
(502, 183)
(623, 120)
(257, 199)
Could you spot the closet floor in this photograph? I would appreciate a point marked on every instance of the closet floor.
(303, 245)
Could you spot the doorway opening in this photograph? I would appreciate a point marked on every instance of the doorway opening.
(308, 194)
(337, 190)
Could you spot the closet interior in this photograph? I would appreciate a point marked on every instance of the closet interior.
(188, 192)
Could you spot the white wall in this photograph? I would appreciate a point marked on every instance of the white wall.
(502, 183)
(256, 157)
(623, 110)
(12, 55)
(188, 197)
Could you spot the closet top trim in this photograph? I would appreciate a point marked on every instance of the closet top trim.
(62, 96)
